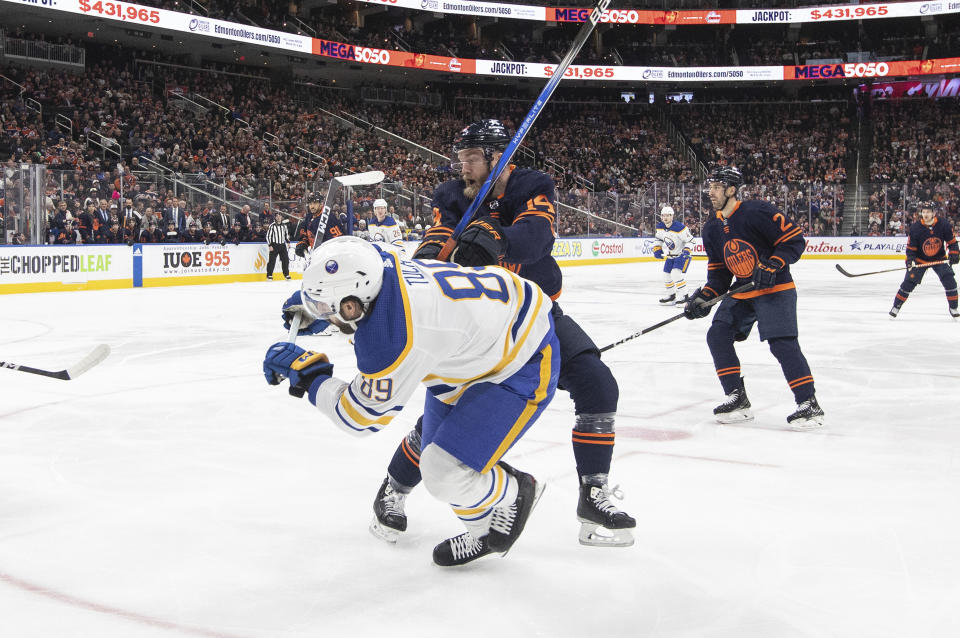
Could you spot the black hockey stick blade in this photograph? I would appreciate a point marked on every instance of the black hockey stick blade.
(744, 288)
(97, 355)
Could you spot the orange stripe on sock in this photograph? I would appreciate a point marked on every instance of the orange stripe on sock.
(801, 381)
(605, 435)
(413, 458)
(589, 442)
(722, 372)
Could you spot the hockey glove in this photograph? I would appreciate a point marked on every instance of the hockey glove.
(286, 361)
(429, 249)
(911, 264)
(696, 307)
(658, 253)
(954, 258)
(765, 274)
(292, 306)
(301, 249)
(481, 244)
(685, 262)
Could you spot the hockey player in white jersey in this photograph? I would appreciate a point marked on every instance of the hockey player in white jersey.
(673, 242)
(480, 339)
(384, 227)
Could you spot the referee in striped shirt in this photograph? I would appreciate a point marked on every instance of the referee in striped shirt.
(278, 235)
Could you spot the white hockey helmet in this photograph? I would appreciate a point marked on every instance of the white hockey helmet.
(666, 210)
(380, 203)
(341, 268)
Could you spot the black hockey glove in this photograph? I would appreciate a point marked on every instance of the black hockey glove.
(954, 258)
(911, 264)
(301, 249)
(696, 307)
(765, 274)
(429, 249)
(481, 244)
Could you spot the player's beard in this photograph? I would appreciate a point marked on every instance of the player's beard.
(471, 188)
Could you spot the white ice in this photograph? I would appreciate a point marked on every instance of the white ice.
(171, 492)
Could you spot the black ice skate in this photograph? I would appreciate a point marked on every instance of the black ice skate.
(736, 407)
(954, 312)
(460, 550)
(389, 519)
(809, 415)
(507, 522)
(601, 523)
(682, 300)
(669, 299)
(894, 311)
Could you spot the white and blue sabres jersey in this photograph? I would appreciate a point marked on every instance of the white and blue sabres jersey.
(444, 325)
(388, 231)
(674, 240)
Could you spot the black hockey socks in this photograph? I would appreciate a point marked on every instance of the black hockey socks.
(593, 439)
(794, 366)
(901, 296)
(404, 467)
(952, 298)
(720, 338)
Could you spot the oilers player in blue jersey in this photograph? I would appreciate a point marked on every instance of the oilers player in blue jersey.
(754, 242)
(515, 229)
(307, 228)
(931, 239)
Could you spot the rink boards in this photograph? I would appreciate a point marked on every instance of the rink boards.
(97, 267)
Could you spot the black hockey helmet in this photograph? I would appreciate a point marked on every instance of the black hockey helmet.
(490, 135)
(728, 175)
(927, 203)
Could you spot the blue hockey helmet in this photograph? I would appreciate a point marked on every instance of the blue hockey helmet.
(727, 175)
(490, 135)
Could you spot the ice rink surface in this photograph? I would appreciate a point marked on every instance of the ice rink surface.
(171, 492)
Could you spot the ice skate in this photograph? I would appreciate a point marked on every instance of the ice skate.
(735, 408)
(389, 519)
(894, 312)
(669, 299)
(601, 523)
(954, 312)
(507, 522)
(682, 300)
(460, 550)
(808, 416)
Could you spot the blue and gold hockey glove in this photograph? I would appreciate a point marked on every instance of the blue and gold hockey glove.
(658, 253)
(292, 306)
(765, 274)
(481, 244)
(696, 307)
(287, 361)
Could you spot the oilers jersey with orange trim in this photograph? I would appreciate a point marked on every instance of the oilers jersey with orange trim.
(756, 231)
(527, 212)
(307, 229)
(930, 243)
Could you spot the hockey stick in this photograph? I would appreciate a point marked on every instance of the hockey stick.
(877, 272)
(355, 179)
(97, 355)
(524, 127)
(744, 288)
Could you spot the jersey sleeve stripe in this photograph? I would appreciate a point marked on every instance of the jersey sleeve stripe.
(536, 213)
(356, 401)
(353, 418)
(788, 235)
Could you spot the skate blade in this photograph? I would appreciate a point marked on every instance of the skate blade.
(383, 532)
(804, 425)
(595, 535)
(735, 417)
(537, 493)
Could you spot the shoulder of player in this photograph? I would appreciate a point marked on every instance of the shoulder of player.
(383, 339)
(528, 182)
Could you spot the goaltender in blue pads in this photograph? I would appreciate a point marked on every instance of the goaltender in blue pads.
(482, 341)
